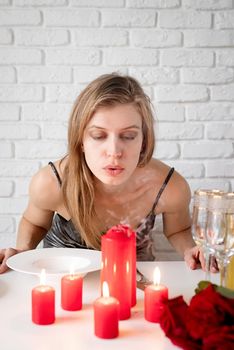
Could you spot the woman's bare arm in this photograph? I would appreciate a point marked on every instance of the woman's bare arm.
(37, 218)
(177, 220)
(177, 224)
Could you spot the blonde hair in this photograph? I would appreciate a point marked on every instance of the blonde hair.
(78, 188)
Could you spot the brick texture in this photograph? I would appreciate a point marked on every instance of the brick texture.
(181, 51)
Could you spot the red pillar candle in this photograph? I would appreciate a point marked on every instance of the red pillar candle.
(43, 303)
(106, 315)
(133, 268)
(119, 266)
(153, 300)
(71, 292)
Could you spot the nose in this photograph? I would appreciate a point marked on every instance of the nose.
(114, 148)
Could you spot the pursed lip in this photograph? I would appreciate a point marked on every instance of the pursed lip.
(113, 167)
(113, 170)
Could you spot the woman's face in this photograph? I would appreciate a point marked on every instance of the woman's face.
(112, 143)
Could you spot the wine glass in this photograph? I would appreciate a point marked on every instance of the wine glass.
(219, 232)
(229, 278)
(199, 216)
(199, 221)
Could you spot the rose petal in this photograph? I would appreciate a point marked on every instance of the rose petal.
(173, 320)
(207, 311)
(222, 339)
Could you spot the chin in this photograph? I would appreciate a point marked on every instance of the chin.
(112, 181)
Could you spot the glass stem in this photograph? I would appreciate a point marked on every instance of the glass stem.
(207, 256)
(223, 272)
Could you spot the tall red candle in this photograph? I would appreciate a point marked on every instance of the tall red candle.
(43, 303)
(106, 315)
(155, 294)
(119, 266)
(71, 292)
(133, 268)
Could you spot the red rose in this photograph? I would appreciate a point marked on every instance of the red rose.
(207, 312)
(173, 321)
(223, 339)
(206, 324)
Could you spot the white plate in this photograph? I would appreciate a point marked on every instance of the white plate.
(56, 261)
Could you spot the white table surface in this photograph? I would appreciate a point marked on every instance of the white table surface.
(74, 330)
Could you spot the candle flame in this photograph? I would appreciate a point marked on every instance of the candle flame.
(157, 275)
(105, 290)
(72, 270)
(43, 277)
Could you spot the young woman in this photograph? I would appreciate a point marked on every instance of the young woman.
(108, 177)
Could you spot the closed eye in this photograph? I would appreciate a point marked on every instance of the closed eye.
(101, 137)
(98, 136)
(128, 136)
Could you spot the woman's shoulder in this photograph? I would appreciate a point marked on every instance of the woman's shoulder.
(44, 188)
(158, 170)
(177, 190)
(161, 170)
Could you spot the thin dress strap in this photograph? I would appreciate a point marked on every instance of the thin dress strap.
(162, 188)
(55, 172)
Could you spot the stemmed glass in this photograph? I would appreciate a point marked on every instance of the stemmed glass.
(230, 239)
(219, 231)
(199, 222)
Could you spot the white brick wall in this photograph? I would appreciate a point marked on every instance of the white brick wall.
(182, 51)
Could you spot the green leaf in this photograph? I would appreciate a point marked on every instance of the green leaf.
(226, 292)
(202, 285)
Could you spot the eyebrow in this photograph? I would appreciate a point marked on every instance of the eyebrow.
(128, 127)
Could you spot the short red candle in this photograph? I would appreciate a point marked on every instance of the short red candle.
(155, 294)
(43, 304)
(119, 266)
(71, 292)
(106, 316)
